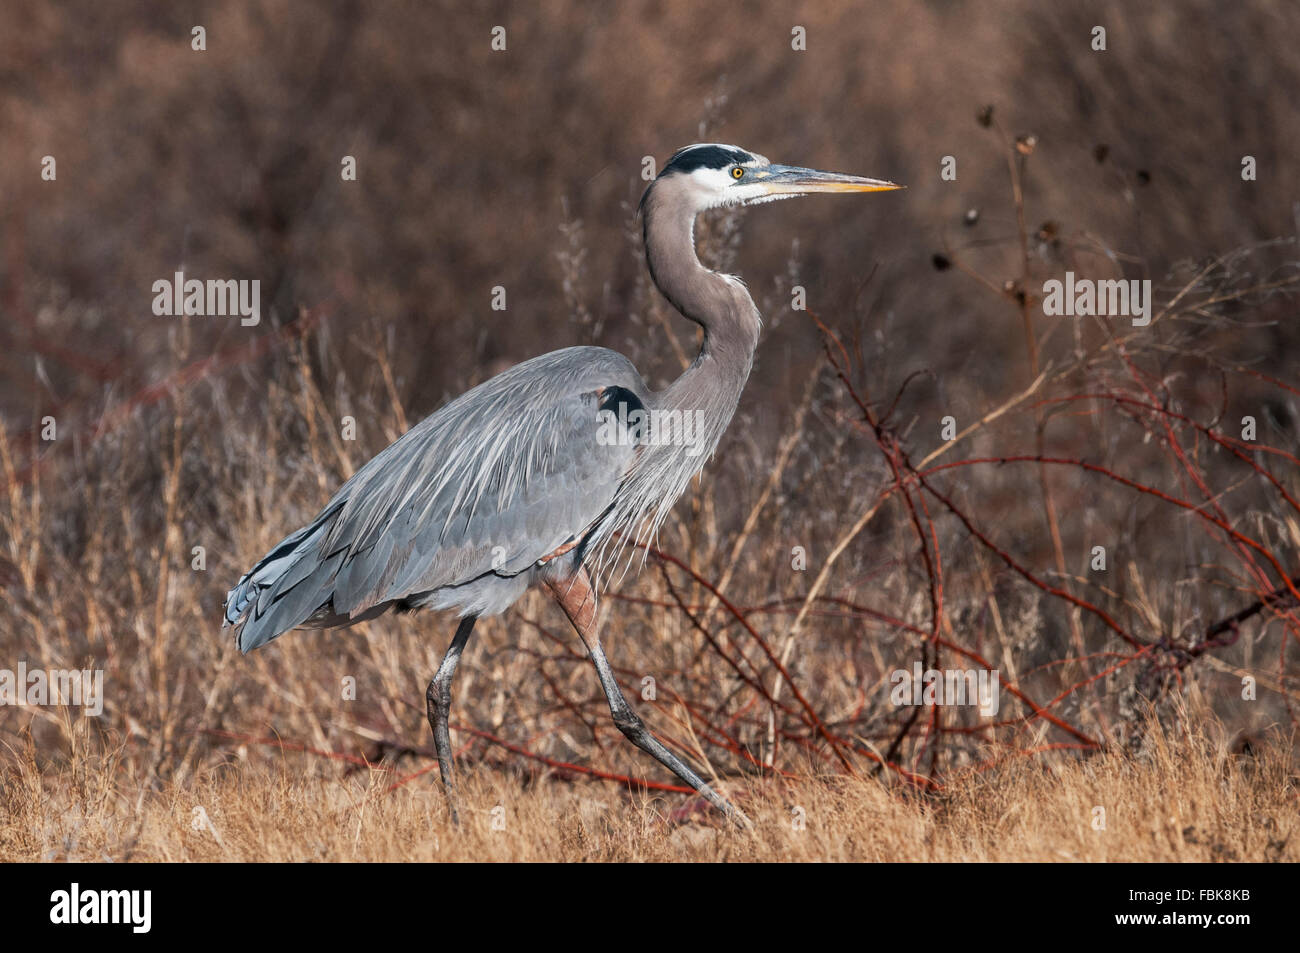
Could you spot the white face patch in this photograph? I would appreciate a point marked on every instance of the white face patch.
(713, 188)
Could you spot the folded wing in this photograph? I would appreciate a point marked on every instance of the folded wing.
(494, 482)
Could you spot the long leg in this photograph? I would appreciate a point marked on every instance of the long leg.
(577, 598)
(438, 700)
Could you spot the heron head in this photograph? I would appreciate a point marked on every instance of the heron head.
(712, 174)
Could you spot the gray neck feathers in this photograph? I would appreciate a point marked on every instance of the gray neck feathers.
(703, 399)
(718, 303)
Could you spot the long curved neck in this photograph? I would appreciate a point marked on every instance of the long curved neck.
(698, 406)
(718, 303)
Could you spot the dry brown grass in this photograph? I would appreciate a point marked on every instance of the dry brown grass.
(1191, 800)
(97, 567)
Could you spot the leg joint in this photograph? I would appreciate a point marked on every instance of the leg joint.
(628, 722)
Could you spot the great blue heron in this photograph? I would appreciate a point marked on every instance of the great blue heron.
(519, 481)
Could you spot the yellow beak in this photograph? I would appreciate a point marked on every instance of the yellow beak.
(792, 180)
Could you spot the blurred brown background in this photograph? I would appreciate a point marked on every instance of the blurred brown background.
(227, 162)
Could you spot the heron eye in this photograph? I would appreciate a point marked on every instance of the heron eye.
(737, 172)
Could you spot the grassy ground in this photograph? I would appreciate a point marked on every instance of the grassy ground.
(1189, 800)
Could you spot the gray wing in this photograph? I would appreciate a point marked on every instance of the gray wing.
(495, 481)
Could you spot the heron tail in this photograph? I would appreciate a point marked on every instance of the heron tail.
(286, 587)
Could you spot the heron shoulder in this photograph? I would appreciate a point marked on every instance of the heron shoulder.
(571, 370)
